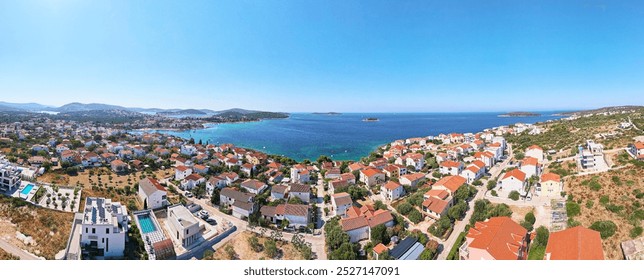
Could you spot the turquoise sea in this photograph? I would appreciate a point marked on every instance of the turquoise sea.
(345, 136)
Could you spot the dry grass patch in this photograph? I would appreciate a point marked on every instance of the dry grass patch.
(243, 250)
(619, 188)
(50, 229)
(6, 256)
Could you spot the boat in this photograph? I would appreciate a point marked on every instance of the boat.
(370, 120)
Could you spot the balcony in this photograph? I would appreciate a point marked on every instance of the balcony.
(464, 252)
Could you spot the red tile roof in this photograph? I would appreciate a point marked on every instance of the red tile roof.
(435, 204)
(550, 177)
(342, 198)
(414, 176)
(516, 173)
(452, 183)
(353, 223)
(534, 147)
(442, 194)
(530, 161)
(479, 163)
(194, 177)
(182, 168)
(379, 217)
(450, 164)
(391, 185)
(370, 172)
(499, 236)
(379, 249)
(576, 243)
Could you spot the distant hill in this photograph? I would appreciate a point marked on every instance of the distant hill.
(183, 112)
(7, 106)
(613, 109)
(78, 107)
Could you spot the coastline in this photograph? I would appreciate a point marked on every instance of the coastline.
(284, 148)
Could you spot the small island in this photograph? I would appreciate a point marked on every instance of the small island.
(520, 114)
(370, 120)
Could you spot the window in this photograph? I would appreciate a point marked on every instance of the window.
(86, 230)
(93, 230)
(107, 230)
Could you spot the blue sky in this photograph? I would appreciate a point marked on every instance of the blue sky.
(299, 55)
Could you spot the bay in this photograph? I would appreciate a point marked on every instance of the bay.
(345, 136)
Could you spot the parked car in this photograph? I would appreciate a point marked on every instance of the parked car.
(211, 221)
(204, 213)
(189, 194)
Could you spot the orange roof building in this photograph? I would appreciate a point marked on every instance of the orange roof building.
(450, 183)
(578, 243)
(499, 238)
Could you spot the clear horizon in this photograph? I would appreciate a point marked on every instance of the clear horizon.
(347, 56)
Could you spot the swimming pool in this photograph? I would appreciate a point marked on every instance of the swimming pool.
(27, 189)
(146, 223)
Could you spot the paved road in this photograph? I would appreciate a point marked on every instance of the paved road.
(459, 226)
(16, 251)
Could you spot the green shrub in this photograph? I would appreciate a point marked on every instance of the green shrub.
(494, 193)
(514, 195)
(605, 228)
(636, 232)
(404, 208)
(604, 199)
(573, 209)
(530, 218)
(614, 208)
(589, 204)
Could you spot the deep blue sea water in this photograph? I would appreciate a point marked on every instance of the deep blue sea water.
(345, 136)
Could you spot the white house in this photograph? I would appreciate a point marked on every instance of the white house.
(228, 196)
(413, 159)
(188, 150)
(298, 216)
(181, 172)
(278, 192)
(474, 171)
(496, 149)
(340, 203)
(184, 226)
(356, 227)
(192, 181)
(550, 185)
(535, 151)
(449, 167)
(254, 186)
(300, 174)
(486, 157)
(104, 227)
(513, 180)
(152, 194)
(637, 150)
(243, 209)
(10, 178)
(392, 191)
(303, 192)
(372, 176)
(411, 179)
(530, 166)
(215, 182)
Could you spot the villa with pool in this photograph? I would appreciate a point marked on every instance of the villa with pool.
(156, 244)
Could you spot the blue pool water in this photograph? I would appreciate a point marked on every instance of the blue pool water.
(27, 189)
(146, 223)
